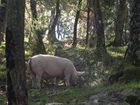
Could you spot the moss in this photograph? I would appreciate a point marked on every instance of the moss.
(127, 73)
(130, 73)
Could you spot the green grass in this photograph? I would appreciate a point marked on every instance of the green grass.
(129, 66)
(73, 94)
(2, 100)
(131, 85)
(64, 95)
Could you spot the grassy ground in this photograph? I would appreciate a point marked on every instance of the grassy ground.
(62, 95)
(73, 95)
(76, 94)
(69, 95)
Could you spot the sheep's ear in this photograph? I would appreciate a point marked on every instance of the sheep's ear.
(79, 73)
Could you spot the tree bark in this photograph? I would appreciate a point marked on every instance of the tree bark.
(134, 42)
(15, 63)
(75, 24)
(126, 35)
(88, 25)
(39, 46)
(100, 47)
(51, 34)
(118, 41)
(92, 42)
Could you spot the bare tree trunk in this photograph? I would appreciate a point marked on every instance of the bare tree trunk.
(92, 37)
(126, 25)
(88, 25)
(51, 34)
(58, 29)
(39, 46)
(15, 62)
(120, 23)
(134, 44)
(100, 47)
(75, 24)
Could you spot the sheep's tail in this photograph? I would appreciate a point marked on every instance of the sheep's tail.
(29, 65)
(29, 68)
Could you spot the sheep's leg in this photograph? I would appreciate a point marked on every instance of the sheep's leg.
(67, 79)
(38, 80)
(67, 83)
(33, 78)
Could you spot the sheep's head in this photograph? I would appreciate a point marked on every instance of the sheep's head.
(77, 78)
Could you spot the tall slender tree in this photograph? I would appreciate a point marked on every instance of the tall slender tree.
(90, 36)
(51, 34)
(15, 63)
(88, 25)
(119, 24)
(134, 42)
(100, 47)
(39, 46)
(75, 24)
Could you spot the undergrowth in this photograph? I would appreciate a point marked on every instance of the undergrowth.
(74, 95)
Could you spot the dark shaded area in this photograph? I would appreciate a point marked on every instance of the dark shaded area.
(133, 100)
(10, 64)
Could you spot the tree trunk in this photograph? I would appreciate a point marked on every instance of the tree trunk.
(120, 23)
(126, 25)
(51, 34)
(2, 19)
(75, 24)
(39, 46)
(15, 63)
(134, 43)
(100, 47)
(92, 37)
(88, 25)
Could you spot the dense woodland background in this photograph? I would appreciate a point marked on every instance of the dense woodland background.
(101, 37)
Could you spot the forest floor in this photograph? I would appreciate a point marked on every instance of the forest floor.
(118, 94)
(94, 88)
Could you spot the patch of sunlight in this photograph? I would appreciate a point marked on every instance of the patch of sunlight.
(117, 51)
(115, 54)
(28, 53)
(26, 39)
